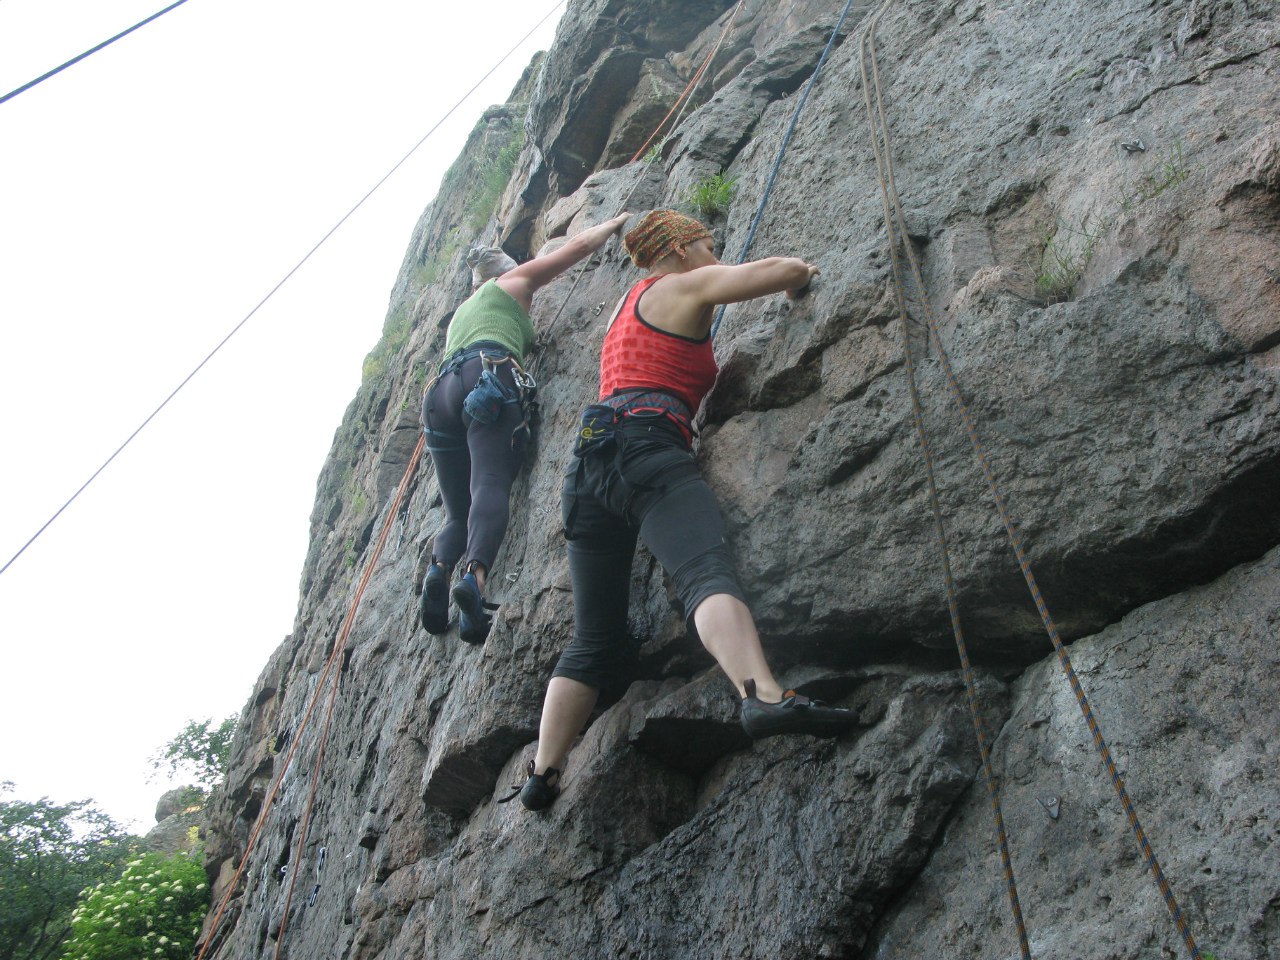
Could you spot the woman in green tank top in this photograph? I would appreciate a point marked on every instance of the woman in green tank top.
(476, 463)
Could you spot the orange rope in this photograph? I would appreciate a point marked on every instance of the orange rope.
(692, 83)
(338, 649)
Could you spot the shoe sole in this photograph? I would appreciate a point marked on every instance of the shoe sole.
(466, 599)
(809, 728)
(473, 623)
(434, 596)
(799, 724)
(540, 798)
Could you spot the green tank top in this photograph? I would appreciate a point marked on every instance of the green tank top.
(490, 314)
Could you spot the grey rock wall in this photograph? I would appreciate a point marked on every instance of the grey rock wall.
(1095, 193)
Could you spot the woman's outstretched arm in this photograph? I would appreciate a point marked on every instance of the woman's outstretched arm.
(522, 281)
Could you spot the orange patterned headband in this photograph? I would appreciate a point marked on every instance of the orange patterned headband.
(660, 232)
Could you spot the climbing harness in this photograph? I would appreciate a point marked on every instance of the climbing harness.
(900, 248)
(485, 401)
(641, 401)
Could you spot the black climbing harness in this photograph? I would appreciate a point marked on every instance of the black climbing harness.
(484, 403)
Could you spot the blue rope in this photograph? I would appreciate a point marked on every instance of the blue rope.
(773, 174)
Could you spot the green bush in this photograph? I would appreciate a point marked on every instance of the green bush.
(49, 853)
(154, 910)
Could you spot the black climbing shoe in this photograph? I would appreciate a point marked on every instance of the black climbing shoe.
(538, 792)
(794, 714)
(474, 618)
(435, 600)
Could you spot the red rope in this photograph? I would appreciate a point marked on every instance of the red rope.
(692, 83)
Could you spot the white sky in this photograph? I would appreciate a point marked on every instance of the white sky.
(150, 196)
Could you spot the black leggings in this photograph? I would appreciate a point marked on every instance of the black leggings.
(476, 464)
(655, 493)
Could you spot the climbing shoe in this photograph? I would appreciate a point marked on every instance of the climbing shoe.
(435, 600)
(794, 714)
(474, 617)
(538, 792)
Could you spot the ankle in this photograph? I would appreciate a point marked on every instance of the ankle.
(477, 570)
(766, 691)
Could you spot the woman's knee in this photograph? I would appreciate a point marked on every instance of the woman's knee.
(708, 575)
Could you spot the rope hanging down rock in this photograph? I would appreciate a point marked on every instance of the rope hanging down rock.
(782, 151)
(338, 649)
(898, 239)
(899, 248)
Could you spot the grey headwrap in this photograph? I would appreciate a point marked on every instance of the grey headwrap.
(487, 263)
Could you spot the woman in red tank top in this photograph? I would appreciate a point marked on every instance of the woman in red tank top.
(656, 366)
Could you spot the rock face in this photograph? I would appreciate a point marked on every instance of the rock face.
(179, 821)
(1094, 192)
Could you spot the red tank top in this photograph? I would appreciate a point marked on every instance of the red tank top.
(637, 355)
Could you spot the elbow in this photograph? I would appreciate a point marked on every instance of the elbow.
(580, 245)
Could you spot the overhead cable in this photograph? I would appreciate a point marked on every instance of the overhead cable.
(296, 267)
(92, 50)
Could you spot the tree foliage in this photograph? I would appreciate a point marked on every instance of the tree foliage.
(201, 751)
(49, 853)
(152, 912)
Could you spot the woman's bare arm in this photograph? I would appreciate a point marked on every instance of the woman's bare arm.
(522, 281)
(681, 302)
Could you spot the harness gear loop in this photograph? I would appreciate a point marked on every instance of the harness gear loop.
(526, 392)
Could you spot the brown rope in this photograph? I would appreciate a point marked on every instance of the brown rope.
(880, 146)
(899, 242)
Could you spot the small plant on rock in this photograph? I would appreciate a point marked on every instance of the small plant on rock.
(1169, 172)
(711, 197)
(1067, 251)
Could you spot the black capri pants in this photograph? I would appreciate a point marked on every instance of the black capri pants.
(652, 491)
